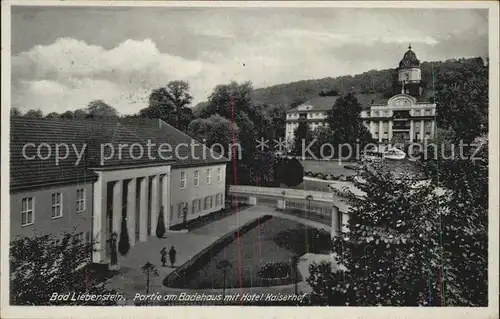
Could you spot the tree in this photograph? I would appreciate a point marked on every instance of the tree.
(277, 114)
(53, 115)
(465, 231)
(462, 98)
(124, 244)
(410, 243)
(160, 226)
(81, 114)
(149, 270)
(331, 92)
(302, 137)
(262, 169)
(289, 171)
(34, 113)
(14, 111)
(391, 249)
(67, 115)
(100, 109)
(170, 103)
(345, 121)
(43, 265)
(214, 129)
(322, 136)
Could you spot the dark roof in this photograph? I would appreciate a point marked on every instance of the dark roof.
(409, 59)
(367, 100)
(321, 103)
(325, 103)
(94, 134)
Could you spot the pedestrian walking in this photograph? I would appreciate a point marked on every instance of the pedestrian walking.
(163, 257)
(172, 254)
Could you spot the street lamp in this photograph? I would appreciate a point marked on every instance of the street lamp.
(284, 205)
(223, 265)
(309, 198)
(295, 262)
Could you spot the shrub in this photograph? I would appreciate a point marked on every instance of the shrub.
(274, 270)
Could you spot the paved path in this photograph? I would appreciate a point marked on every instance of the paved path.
(131, 280)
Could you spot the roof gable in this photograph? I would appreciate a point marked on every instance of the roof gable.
(80, 144)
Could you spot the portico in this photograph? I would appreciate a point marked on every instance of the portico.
(134, 194)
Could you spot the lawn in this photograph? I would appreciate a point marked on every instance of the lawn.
(274, 240)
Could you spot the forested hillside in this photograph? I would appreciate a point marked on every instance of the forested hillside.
(373, 81)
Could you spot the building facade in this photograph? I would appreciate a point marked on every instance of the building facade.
(90, 197)
(314, 112)
(407, 117)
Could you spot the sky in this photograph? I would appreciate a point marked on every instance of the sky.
(65, 57)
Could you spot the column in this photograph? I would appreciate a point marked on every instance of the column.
(166, 200)
(433, 128)
(422, 130)
(143, 210)
(117, 208)
(99, 220)
(390, 131)
(335, 220)
(411, 131)
(155, 200)
(131, 204)
(380, 131)
(372, 128)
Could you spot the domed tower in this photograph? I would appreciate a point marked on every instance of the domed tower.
(409, 74)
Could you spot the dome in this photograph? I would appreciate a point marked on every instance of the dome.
(409, 59)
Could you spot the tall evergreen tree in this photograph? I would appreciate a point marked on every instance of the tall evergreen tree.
(344, 119)
(303, 136)
(124, 244)
(160, 226)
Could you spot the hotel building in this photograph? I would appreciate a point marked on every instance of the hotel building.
(406, 117)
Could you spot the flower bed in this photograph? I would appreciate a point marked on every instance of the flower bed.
(275, 273)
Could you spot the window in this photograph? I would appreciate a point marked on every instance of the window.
(181, 209)
(80, 200)
(27, 211)
(183, 180)
(209, 176)
(339, 221)
(56, 205)
(219, 174)
(196, 178)
(208, 202)
(195, 206)
(218, 201)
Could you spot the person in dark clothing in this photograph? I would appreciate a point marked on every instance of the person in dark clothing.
(172, 254)
(163, 257)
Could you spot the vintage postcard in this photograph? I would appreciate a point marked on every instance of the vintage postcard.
(254, 159)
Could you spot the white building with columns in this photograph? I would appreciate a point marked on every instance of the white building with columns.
(114, 172)
(407, 117)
